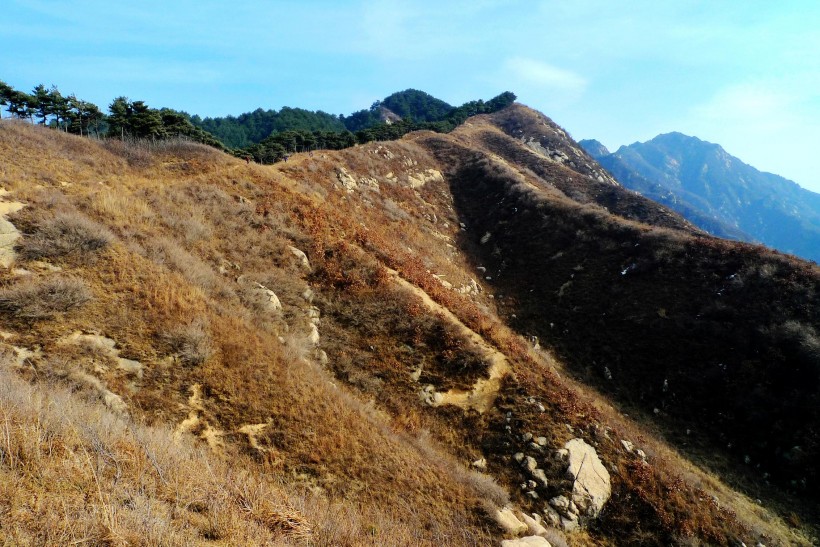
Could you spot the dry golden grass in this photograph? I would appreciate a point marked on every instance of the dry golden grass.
(154, 280)
(353, 457)
(76, 473)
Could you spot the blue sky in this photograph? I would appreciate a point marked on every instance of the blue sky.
(744, 74)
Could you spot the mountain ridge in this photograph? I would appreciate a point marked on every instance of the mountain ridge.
(280, 316)
(719, 192)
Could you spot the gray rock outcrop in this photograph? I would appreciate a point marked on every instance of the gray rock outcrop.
(591, 483)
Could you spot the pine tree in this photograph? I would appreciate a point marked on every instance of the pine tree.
(20, 104)
(5, 93)
(60, 108)
(146, 122)
(42, 103)
(119, 121)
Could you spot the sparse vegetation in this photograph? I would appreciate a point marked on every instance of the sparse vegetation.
(64, 234)
(40, 298)
(191, 342)
(259, 431)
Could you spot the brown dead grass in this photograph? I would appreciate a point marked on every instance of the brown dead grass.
(73, 472)
(347, 448)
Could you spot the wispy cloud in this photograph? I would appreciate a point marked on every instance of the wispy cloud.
(762, 106)
(544, 75)
(749, 103)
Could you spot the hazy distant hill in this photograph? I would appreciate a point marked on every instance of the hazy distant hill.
(717, 191)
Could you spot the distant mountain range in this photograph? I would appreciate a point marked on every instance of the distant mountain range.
(718, 192)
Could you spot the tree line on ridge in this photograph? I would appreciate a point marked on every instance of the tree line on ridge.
(265, 136)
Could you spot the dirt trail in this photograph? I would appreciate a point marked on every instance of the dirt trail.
(482, 396)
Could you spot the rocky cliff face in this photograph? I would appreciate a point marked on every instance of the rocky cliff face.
(719, 192)
(401, 332)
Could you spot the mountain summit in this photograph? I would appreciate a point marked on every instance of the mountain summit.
(718, 192)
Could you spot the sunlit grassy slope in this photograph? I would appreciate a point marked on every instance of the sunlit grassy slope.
(200, 351)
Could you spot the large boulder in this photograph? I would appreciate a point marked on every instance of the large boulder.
(591, 484)
(301, 257)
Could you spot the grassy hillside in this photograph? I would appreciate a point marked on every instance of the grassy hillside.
(316, 336)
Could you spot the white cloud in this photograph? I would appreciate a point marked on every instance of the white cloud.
(755, 104)
(532, 72)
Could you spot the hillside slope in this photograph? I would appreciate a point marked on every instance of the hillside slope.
(699, 177)
(353, 331)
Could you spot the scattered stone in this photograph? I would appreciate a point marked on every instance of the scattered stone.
(561, 503)
(529, 541)
(569, 524)
(519, 457)
(444, 283)
(541, 441)
(370, 182)
(628, 446)
(534, 524)
(539, 475)
(526, 437)
(486, 237)
(533, 494)
(105, 346)
(509, 522)
(313, 335)
(269, 299)
(530, 464)
(347, 180)
(552, 517)
(641, 454)
(470, 288)
(420, 179)
(480, 464)
(430, 396)
(562, 454)
(301, 257)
